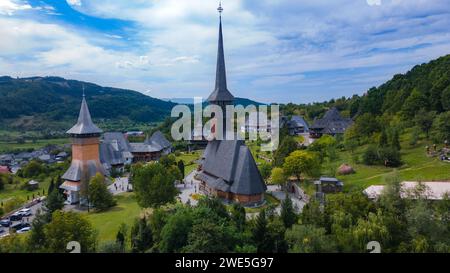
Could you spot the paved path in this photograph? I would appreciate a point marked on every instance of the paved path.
(120, 185)
(188, 188)
(281, 195)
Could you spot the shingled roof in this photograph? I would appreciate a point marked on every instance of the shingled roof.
(158, 140)
(298, 121)
(331, 123)
(84, 125)
(229, 166)
(77, 169)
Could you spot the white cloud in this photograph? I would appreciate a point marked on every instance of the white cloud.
(9, 7)
(74, 3)
(266, 42)
(374, 2)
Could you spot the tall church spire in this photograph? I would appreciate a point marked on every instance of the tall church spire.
(220, 95)
(84, 125)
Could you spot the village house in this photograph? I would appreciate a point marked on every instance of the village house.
(116, 151)
(332, 124)
(297, 125)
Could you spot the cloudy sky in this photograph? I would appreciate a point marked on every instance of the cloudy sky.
(276, 50)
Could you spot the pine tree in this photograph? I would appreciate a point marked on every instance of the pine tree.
(181, 167)
(238, 216)
(395, 140)
(51, 187)
(383, 142)
(141, 236)
(120, 239)
(54, 202)
(260, 233)
(288, 215)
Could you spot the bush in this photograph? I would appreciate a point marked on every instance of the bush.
(390, 156)
(370, 156)
(12, 204)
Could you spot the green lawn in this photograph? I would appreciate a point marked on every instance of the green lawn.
(40, 143)
(417, 167)
(188, 159)
(14, 191)
(107, 223)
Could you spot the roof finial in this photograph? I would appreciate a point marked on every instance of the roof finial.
(220, 9)
(83, 91)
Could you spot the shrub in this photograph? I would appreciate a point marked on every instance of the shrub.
(370, 156)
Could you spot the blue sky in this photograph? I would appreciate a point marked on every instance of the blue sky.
(276, 50)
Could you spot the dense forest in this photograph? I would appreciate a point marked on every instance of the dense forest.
(52, 102)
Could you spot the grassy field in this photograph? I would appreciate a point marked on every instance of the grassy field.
(188, 159)
(40, 143)
(107, 223)
(14, 191)
(417, 167)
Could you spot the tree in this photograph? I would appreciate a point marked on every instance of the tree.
(153, 185)
(260, 232)
(168, 160)
(301, 162)
(278, 177)
(121, 237)
(174, 235)
(416, 100)
(181, 167)
(238, 216)
(424, 120)
(325, 146)
(445, 98)
(308, 239)
(99, 195)
(211, 237)
(288, 215)
(33, 169)
(265, 169)
(351, 138)
(66, 227)
(36, 240)
(51, 187)
(54, 202)
(287, 146)
(141, 236)
(370, 156)
(390, 156)
(365, 125)
(395, 140)
(441, 127)
(383, 142)
(372, 229)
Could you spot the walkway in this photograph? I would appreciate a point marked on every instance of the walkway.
(120, 185)
(189, 187)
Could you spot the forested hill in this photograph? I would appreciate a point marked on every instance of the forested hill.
(40, 103)
(425, 88)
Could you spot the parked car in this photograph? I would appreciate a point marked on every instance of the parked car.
(16, 216)
(23, 230)
(5, 223)
(20, 226)
(25, 212)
